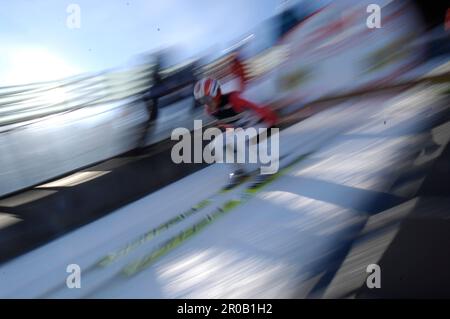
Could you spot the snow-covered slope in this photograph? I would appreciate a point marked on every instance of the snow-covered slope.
(285, 241)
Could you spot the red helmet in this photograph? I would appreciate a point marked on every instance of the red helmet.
(207, 89)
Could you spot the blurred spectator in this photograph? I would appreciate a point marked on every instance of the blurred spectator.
(447, 20)
(152, 96)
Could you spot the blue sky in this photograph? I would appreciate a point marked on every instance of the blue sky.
(37, 45)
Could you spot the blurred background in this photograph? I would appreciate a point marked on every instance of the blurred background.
(89, 96)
